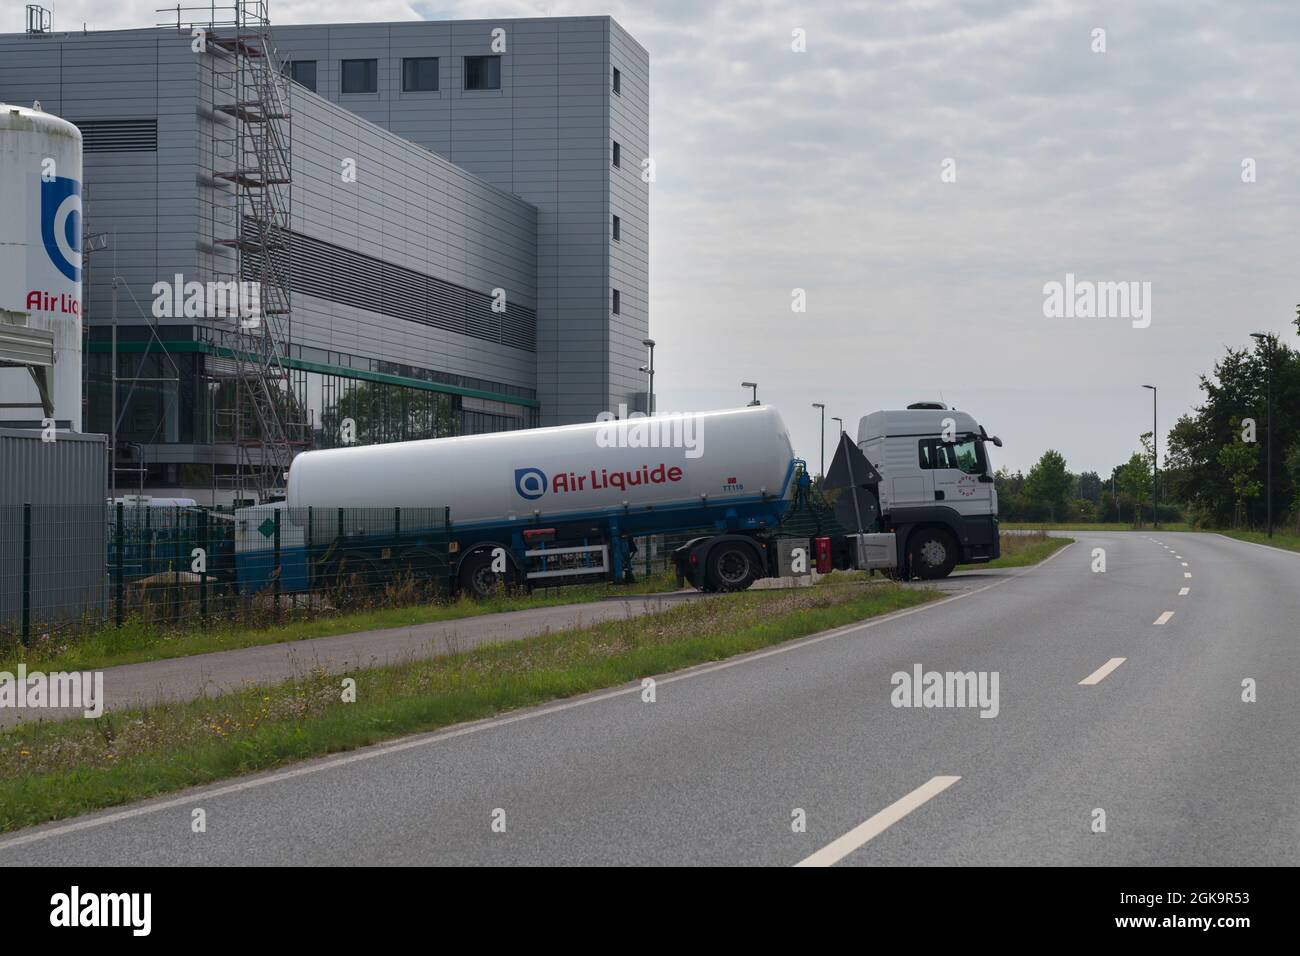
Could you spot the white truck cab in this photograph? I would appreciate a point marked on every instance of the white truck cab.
(937, 493)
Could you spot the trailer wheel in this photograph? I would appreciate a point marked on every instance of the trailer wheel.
(479, 580)
(931, 553)
(731, 567)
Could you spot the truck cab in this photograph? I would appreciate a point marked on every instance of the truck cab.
(937, 493)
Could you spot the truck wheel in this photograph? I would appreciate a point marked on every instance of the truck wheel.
(479, 580)
(931, 553)
(731, 567)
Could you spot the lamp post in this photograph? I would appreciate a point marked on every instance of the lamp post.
(1267, 340)
(650, 396)
(822, 469)
(754, 386)
(841, 421)
(1155, 461)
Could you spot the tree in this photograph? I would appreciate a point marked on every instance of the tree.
(1134, 479)
(1049, 483)
(1090, 486)
(1240, 463)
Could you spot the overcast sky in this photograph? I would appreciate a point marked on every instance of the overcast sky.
(822, 170)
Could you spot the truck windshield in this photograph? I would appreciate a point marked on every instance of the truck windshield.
(967, 455)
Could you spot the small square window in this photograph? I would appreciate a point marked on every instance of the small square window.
(616, 303)
(482, 72)
(618, 156)
(420, 74)
(618, 82)
(616, 229)
(303, 72)
(360, 76)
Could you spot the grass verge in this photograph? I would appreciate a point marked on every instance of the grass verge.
(1022, 550)
(55, 770)
(136, 641)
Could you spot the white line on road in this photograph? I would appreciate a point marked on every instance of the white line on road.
(837, 850)
(1183, 592)
(1187, 574)
(1184, 564)
(1163, 618)
(1099, 675)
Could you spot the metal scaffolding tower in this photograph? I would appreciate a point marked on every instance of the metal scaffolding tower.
(250, 151)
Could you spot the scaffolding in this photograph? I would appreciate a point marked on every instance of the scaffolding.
(249, 201)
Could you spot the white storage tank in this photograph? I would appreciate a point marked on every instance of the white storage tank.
(640, 467)
(40, 253)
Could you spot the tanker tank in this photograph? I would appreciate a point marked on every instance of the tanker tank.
(40, 256)
(648, 473)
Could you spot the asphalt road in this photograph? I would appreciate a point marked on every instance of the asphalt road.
(715, 769)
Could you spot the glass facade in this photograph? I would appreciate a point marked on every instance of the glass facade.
(187, 395)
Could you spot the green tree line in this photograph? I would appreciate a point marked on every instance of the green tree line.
(1213, 470)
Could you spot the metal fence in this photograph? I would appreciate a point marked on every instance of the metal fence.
(67, 568)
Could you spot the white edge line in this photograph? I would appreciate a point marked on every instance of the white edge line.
(872, 827)
(318, 764)
(1163, 618)
(1102, 672)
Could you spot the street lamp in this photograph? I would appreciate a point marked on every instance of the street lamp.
(1265, 338)
(822, 470)
(1155, 461)
(754, 386)
(650, 397)
(841, 421)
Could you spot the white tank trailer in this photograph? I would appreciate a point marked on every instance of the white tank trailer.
(40, 255)
(563, 502)
(562, 505)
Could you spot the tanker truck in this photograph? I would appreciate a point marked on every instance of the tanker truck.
(564, 504)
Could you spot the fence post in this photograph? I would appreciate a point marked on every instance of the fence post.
(278, 569)
(27, 573)
(310, 559)
(119, 535)
(179, 562)
(203, 578)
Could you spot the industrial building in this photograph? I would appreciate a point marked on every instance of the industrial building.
(465, 215)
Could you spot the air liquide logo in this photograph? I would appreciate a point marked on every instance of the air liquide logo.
(530, 483)
(61, 224)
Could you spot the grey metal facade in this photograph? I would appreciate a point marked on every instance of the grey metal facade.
(546, 135)
(457, 193)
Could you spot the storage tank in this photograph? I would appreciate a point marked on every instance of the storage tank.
(40, 253)
(646, 470)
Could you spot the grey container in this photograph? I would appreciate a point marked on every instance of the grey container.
(58, 489)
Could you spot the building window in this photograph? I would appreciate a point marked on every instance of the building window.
(420, 74)
(616, 303)
(618, 156)
(303, 72)
(360, 76)
(618, 82)
(482, 72)
(616, 229)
